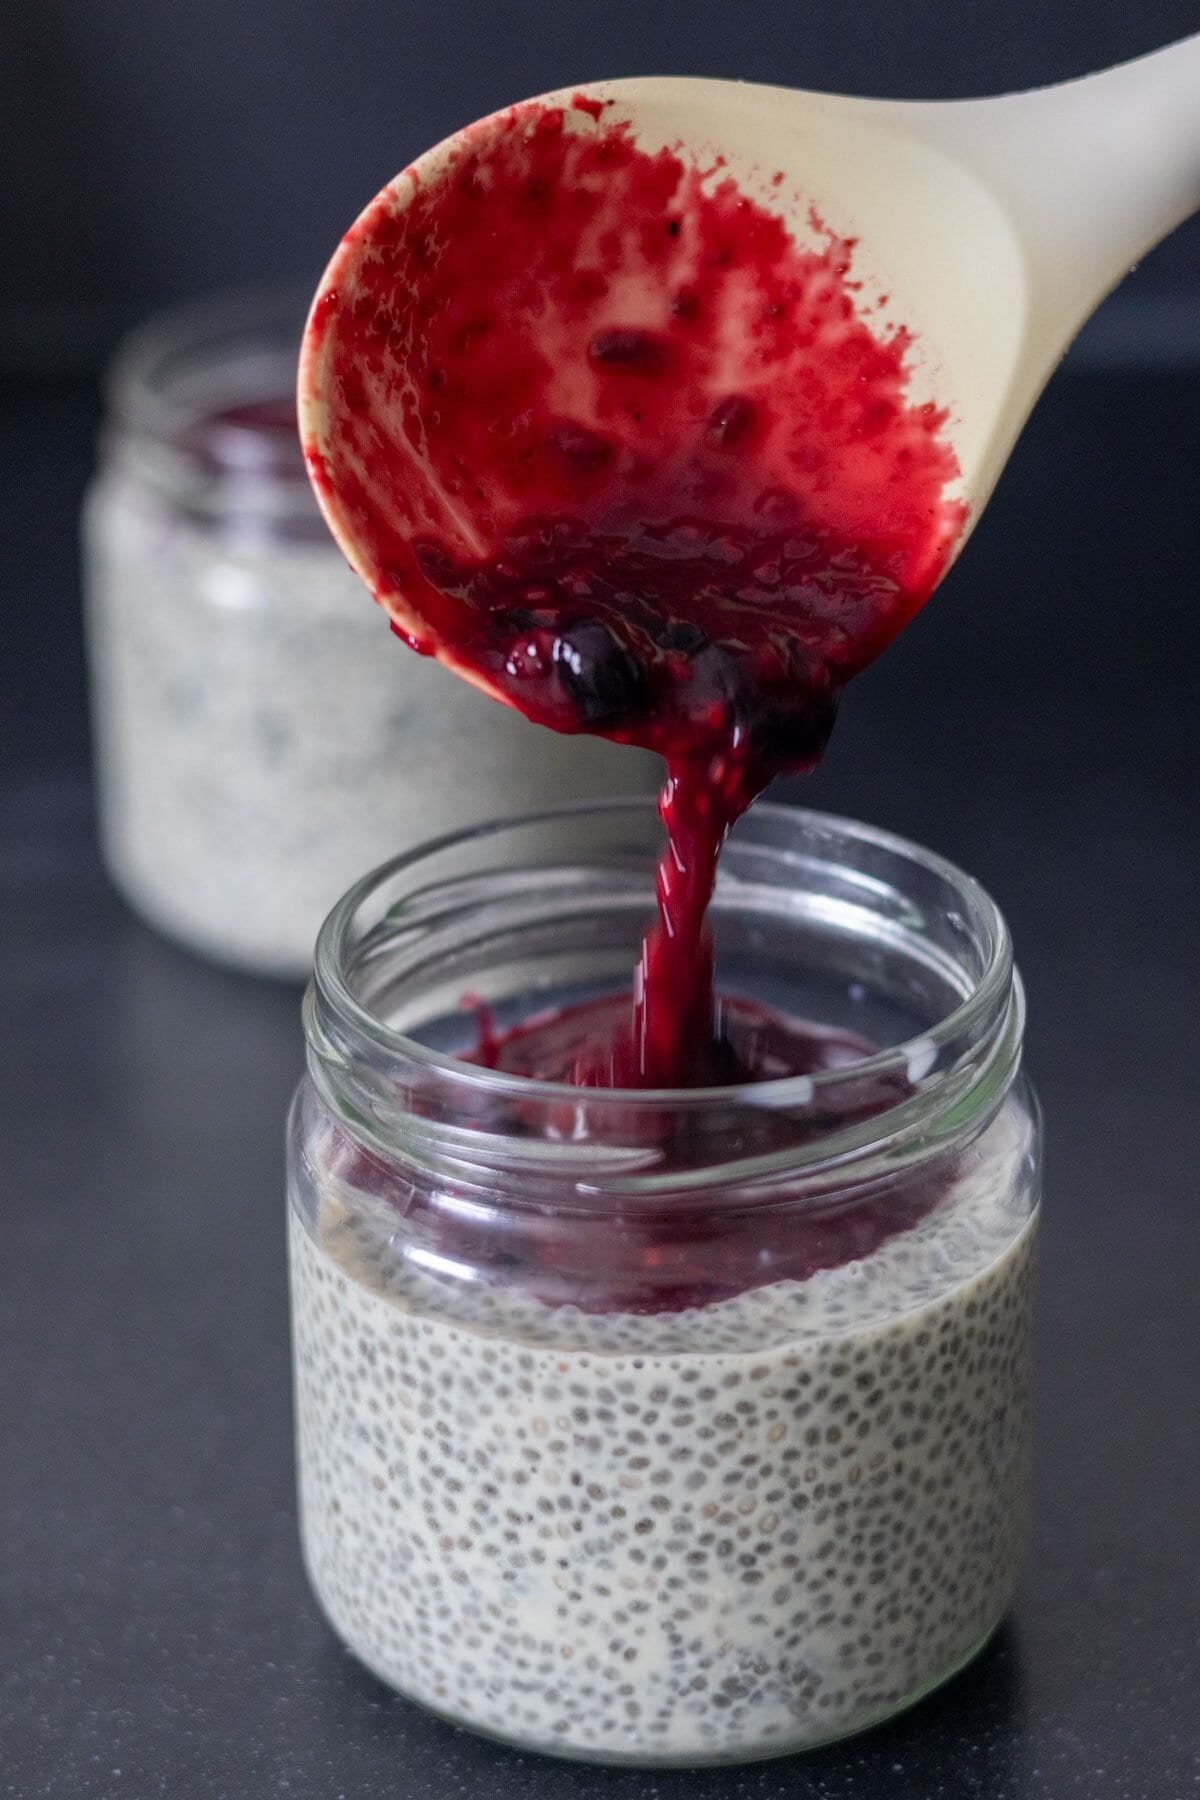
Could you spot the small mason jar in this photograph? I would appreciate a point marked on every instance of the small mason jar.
(260, 737)
(663, 1427)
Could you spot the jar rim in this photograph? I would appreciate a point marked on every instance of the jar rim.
(200, 408)
(331, 1002)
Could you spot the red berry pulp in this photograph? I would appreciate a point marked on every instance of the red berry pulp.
(615, 445)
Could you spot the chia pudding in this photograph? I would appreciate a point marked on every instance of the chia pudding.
(690, 1536)
(663, 1378)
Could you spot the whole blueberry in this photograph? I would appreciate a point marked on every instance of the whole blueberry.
(604, 681)
(791, 728)
(718, 674)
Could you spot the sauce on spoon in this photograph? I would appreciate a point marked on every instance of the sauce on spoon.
(620, 450)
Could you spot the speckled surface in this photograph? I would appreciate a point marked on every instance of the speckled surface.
(156, 1632)
(670, 1557)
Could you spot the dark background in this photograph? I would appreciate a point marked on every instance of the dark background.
(1037, 723)
(155, 148)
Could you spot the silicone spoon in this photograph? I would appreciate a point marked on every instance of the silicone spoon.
(993, 227)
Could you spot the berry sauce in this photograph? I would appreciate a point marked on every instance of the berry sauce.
(661, 1255)
(616, 446)
(585, 1045)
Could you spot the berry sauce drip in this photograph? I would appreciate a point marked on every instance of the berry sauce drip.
(582, 1046)
(664, 1255)
(614, 445)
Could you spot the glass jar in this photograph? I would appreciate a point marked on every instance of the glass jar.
(260, 738)
(662, 1427)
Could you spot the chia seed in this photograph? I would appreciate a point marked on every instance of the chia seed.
(791, 1638)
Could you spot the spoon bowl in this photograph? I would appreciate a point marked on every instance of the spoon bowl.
(971, 238)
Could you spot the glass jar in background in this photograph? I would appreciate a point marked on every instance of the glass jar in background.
(664, 1427)
(260, 736)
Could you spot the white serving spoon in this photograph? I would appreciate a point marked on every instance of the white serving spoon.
(993, 227)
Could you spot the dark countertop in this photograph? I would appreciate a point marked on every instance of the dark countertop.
(156, 1634)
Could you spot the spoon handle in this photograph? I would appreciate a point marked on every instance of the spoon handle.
(1094, 171)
